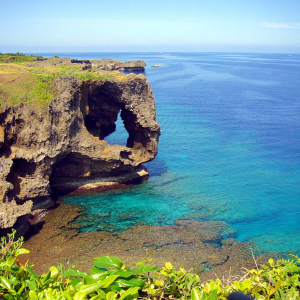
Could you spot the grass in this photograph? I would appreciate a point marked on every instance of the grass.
(20, 87)
(17, 58)
(24, 79)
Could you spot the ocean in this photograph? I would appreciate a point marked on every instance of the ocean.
(229, 149)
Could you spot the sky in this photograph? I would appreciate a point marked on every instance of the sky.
(31, 26)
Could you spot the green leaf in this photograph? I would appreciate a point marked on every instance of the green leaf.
(54, 272)
(8, 296)
(196, 294)
(271, 262)
(111, 295)
(213, 295)
(246, 285)
(75, 281)
(30, 271)
(13, 280)
(109, 280)
(88, 289)
(67, 295)
(10, 261)
(4, 282)
(101, 295)
(21, 290)
(99, 274)
(146, 268)
(95, 270)
(130, 291)
(89, 280)
(31, 284)
(276, 288)
(108, 262)
(93, 287)
(100, 277)
(75, 273)
(133, 282)
(33, 295)
(80, 296)
(121, 273)
(49, 295)
(47, 277)
(21, 251)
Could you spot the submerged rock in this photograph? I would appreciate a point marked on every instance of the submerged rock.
(186, 244)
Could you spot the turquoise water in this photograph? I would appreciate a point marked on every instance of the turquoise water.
(229, 149)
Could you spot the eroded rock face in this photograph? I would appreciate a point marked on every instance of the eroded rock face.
(62, 148)
(114, 64)
(103, 64)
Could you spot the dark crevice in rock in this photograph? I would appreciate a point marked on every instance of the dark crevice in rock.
(102, 112)
(23, 168)
(20, 170)
(209, 267)
(125, 154)
(214, 244)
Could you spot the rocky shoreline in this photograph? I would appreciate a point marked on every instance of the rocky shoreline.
(185, 244)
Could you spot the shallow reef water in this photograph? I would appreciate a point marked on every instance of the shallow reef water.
(229, 149)
(205, 246)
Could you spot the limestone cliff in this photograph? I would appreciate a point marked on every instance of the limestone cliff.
(102, 64)
(62, 147)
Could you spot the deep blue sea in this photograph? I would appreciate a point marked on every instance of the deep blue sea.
(229, 149)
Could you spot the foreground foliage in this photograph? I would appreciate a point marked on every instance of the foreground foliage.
(111, 279)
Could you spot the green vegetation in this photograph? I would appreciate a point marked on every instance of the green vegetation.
(44, 89)
(18, 58)
(111, 279)
(31, 79)
(23, 87)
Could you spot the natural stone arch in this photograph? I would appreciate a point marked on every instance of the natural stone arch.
(73, 128)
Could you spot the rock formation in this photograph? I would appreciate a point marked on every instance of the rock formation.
(113, 64)
(62, 148)
(103, 64)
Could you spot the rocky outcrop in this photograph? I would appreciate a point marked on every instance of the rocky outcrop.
(113, 64)
(103, 64)
(62, 148)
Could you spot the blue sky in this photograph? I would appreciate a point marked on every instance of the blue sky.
(152, 25)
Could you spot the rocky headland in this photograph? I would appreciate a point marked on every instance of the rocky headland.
(54, 117)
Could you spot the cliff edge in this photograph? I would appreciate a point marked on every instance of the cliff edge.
(52, 133)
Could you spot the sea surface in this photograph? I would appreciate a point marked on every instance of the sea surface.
(229, 149)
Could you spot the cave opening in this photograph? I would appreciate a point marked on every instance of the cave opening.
(104, 116)
(120, 135)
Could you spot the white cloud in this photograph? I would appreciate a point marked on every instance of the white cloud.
(280, 25)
